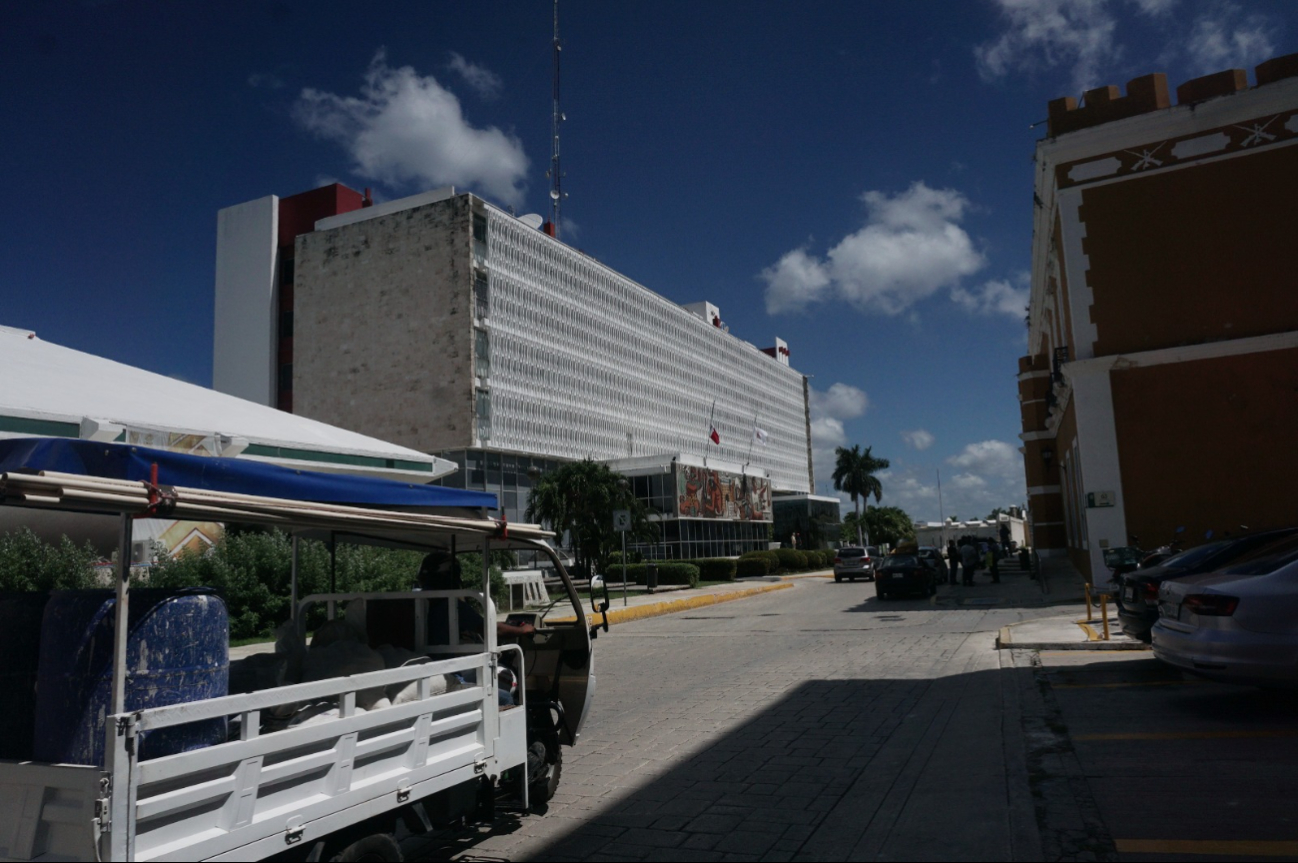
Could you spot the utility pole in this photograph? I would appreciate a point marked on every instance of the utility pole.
(555, 173)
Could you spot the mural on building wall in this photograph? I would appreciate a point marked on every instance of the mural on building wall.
(707, 493)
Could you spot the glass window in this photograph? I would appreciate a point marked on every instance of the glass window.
(481, 353)
(483, 405)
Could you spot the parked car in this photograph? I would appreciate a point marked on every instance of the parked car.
(1137, 595)
(855, 561)
(905, 573)
(932, 556)
(1238, 625)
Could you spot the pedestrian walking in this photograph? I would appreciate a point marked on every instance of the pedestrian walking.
(953, 561)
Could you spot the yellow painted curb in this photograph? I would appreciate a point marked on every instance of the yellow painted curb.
(656, 609)
(1091, 634)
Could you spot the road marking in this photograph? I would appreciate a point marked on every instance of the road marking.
(1129, 683)
(1189, 735)
(1232, 847)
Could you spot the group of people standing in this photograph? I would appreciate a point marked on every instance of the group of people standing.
(969, 553)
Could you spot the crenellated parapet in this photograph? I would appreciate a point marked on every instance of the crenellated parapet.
(1150, 93)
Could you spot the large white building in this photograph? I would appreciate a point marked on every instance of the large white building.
(445, 324)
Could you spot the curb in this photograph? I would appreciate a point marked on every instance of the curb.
(1005, 641)
(657, 609)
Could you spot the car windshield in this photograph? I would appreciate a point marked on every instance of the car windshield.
(872, 551)
(1194, 556)
(901, 561)
(1268, 558)
(851, 552)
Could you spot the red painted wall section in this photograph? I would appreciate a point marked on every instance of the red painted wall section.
(299, 213)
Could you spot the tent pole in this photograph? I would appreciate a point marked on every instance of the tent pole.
(122, 620)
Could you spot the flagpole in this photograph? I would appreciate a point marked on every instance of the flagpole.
(751, 440)
(940, 514)
(706, 447)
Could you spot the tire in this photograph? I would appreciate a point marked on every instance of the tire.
(881, 595)
(852, 578)
(541, 791)
(838, 579)
(380, 848)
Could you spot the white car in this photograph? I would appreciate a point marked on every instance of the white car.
(1238, 625)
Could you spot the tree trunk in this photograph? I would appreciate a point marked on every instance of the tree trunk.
(859, 526)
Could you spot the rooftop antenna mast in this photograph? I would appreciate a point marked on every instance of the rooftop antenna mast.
(555, 174)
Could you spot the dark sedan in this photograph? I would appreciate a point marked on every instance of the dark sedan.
(1137, 596)
(904, 573)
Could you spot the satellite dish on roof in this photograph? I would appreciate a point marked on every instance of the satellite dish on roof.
(532, 220)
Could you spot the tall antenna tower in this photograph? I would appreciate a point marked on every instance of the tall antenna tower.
(555, 173)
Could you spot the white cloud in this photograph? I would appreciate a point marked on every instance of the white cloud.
(968, 481)
(996, 297)
(1044, 34)
(841, 401)
(407, 130)
(794, 282)
(910, 247)
(989, 457)
(828, 410)
(484, 82)
(1229, 39)
(920, 439)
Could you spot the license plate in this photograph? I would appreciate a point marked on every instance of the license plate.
(1130, 594)
(896, 575)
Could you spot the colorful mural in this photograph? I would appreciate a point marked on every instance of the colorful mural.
(707, 493)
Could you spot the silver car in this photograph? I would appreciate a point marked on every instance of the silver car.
(854, 561)
(1238, 625)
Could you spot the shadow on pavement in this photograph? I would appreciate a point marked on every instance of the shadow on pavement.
(836, 769)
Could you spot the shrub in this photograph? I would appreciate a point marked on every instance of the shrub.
(747, 567)
(790, 560)
(669, 572)
(818, 559)
(772, 559)
(27, 562)
(715, 568)
(632, 556)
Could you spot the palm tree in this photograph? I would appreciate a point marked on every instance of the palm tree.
(854, 474)
(579, 499)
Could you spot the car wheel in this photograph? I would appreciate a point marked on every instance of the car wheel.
(882, 595)
(838, 579)
(852, 578)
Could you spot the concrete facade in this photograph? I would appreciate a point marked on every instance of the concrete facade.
(1163, 318)
(382, 326)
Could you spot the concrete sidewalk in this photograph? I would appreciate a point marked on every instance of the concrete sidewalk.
(642, 605)
(1059, 583)
(1073, 631)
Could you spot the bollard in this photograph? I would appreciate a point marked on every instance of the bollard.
(1104, 613)
(1087, 588)
(651, 576)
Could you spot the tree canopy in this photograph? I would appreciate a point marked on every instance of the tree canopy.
(578, 500)
(886, 525)
(854, 473)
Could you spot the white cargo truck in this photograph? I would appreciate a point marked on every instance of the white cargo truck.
(441, 750)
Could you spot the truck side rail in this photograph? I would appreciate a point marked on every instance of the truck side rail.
(263, 793)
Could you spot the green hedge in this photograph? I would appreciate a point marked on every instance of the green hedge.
(747, 567)
(772, 559)
(791, 560)
(715, 568)
(669, 572)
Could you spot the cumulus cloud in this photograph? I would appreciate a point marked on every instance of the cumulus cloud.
(910, 247)
(482, 80)
(920, 439)
(1044, 34)
(989, 458)
(1229, 39)
(828, 410)
(841, 401)
(406, 129)
(996, 297)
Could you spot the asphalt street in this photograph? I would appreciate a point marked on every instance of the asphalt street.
(815, 723)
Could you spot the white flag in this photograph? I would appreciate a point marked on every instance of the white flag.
(759, 435)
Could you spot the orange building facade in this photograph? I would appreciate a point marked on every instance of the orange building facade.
(1159, 395)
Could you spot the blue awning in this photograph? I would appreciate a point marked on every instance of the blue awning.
(239, 476)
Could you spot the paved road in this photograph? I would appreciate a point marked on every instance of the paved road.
(809, 724)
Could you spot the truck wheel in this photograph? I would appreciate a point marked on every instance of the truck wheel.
(380, 847)
(541, 790)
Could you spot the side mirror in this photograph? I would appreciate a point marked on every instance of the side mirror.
(601, 607)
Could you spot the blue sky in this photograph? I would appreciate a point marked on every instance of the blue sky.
(855, 178)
